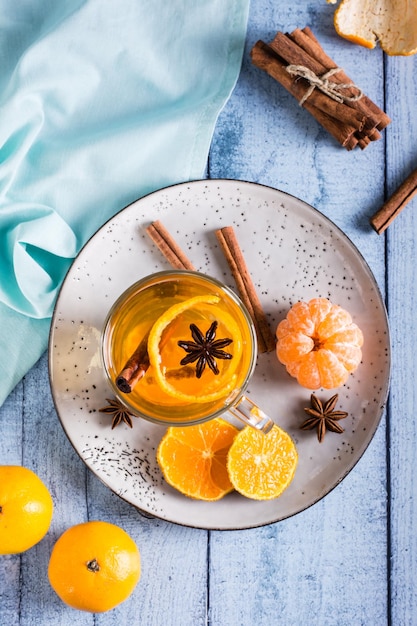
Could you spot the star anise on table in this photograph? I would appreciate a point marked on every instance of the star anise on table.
(205, 349)
(118, 412)
(323, 416)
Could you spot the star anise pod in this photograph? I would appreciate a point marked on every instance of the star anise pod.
(323, 416)
(118, 412)
(205, 349)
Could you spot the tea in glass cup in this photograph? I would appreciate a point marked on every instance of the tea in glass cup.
(179, 348)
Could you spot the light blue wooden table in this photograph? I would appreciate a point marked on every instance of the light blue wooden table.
(349, 560)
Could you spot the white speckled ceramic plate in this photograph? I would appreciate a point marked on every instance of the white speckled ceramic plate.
(294, 253)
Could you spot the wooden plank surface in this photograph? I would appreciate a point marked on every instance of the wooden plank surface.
(351, 558)
(319, 567)
(402, 302)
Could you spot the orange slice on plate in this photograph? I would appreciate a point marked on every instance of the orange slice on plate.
(262, 466)
(193, 459)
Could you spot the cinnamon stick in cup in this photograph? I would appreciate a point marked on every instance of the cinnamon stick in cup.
(136, 366)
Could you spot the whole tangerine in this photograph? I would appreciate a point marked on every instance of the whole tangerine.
(94, 566)
(319, 344)
(26, 509)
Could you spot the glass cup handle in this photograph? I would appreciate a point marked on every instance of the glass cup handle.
(249, 413)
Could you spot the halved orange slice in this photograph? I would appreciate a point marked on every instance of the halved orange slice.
(193, 459)
(262, 466)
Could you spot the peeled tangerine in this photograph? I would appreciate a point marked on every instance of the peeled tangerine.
(319, 344)
(391, 22)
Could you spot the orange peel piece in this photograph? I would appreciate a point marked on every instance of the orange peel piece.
(391, 23)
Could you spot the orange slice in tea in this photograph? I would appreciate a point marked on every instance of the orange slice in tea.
(193, 459)
(172, 325)
(262, 466)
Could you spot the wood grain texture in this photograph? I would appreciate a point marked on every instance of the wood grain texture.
(402, 303)
(349, 560)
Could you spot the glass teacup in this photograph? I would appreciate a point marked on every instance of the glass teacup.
(179, 348)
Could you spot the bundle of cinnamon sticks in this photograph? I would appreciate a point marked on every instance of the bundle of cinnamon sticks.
(298, 62)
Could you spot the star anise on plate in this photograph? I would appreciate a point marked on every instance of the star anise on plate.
(323, 416)
(118, 412)
(205, 349)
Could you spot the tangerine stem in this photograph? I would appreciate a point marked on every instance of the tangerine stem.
(318, 343)
(93, 565)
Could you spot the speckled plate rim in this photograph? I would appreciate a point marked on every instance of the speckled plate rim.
(268, 518)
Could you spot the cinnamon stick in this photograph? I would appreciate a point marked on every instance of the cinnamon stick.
(135, 367)
(168, 246)
(319, 63)
(375, 117)
(234, 256)
(353, 121)
(326, 111)
(395, 203)
(138, 363)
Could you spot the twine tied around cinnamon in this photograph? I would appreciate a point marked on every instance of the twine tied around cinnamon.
(330, 88)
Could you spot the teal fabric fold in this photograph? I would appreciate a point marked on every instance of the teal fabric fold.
(101, 102)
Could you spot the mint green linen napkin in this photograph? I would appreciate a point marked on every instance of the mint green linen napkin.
(101, 102)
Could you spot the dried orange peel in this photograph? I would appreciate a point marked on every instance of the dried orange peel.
(366, 22)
